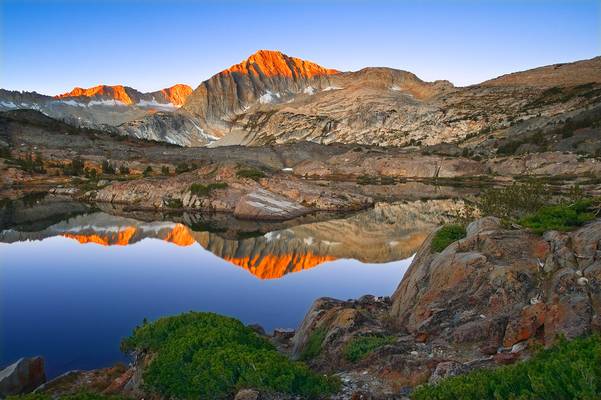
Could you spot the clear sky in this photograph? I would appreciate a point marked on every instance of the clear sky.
(51, 46)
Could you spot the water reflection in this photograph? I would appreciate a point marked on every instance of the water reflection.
(388, 232)
(75, 278)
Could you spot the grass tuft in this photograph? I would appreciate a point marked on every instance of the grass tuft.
(446, 235)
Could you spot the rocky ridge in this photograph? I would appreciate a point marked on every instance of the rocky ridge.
(270, 98)
(101, 106)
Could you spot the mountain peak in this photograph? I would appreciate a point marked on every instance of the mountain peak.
(176, 94)
(273, 63)
(116, 92)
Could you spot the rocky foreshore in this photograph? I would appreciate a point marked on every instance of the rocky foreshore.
(486, 300)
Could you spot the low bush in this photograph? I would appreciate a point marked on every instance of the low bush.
(359, 347)
(250, 173)
(446, 235)
(181, 168)
(199, 189)
(74, 396)
(174, 203)
(568, 370)
(562, 217)
(514, 201)
(208, 356)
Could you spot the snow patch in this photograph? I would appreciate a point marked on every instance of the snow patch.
(268, 97)
(210, 138)
(110, 103)
(8, 104)
(395, 88)
(287, 169)
(309, 90)
(72, 103)
(154, 103)
(327, 89)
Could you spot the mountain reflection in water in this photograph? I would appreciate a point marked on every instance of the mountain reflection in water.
(388, 232)
(72, 303)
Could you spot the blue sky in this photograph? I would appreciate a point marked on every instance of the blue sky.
(51, 46)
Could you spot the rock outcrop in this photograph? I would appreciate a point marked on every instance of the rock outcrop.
(484, 300)
(23, 376)
(269, 198)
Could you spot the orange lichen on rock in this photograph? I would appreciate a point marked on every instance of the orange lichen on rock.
(116, 92)
(177, 94)
(274, 63)
(276, 266)
(122, 238)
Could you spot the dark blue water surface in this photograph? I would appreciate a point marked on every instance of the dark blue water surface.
(72, 303)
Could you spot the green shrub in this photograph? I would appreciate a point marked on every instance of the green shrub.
(514, 201)
(314, 344)
(174, 203)
(74, 396)
(561, 217)
(251, 173)
(181, 168)
(359, 347)
(107, 168)
(147, 171)
(569, 370)
(165, 170)
(204, 190)
(446, 235)
(208, 356)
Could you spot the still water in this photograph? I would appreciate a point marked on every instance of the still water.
(71, 286)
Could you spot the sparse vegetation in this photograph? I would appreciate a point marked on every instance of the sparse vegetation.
(208, 356)
(165, 170)
(107, 168)
(174, 203)
(569, 370)
(514, 201)
(74, 396)
(31, 163)
(147, 171)
(75, 168)
(181, 168)
(201, 190)
(250, 173)
(359, 347)
(446, 235)
(314, 344)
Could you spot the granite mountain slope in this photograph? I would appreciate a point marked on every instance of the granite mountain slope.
(101, 106)
(272, 98)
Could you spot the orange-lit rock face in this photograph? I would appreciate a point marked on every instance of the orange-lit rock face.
(117, 92)
(276, 266)
(177, 94)
(274, 63)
